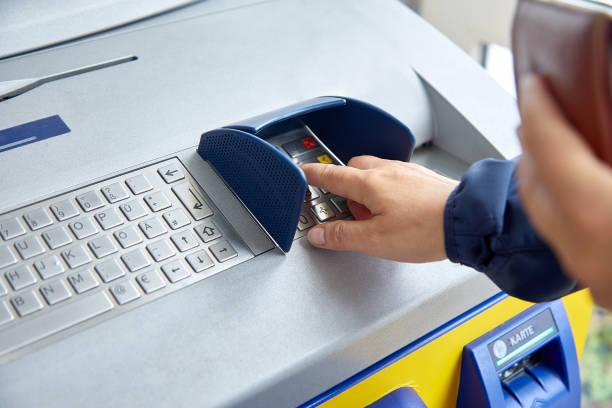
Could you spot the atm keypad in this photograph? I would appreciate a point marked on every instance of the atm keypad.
(319, 205)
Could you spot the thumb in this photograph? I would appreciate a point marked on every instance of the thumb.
(343, 235)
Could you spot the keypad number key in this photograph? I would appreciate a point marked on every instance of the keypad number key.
(115, 192)
(37, 219)
(305, 221)
(323, 211)
(90, 201)
(64, 210)
(11, 228)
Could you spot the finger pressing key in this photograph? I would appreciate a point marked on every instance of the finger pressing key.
(347, 182)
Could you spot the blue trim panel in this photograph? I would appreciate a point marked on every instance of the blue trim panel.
(32, 132)
(404, 351)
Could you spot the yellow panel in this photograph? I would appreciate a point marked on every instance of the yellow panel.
(434, 369)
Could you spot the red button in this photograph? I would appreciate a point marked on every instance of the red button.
(309, 143)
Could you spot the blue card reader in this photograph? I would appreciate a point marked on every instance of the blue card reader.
(266, 177)
(529, 361)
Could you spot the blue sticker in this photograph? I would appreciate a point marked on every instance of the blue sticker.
(31, 132)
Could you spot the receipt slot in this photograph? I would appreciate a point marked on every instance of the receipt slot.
(269, 182)
(529, 361)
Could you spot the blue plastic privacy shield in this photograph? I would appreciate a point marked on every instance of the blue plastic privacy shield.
(270, 185)
(529, 361)
(400, 398)
(32, 132)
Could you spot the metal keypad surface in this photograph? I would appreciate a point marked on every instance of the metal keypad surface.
(320, 206)
(106, 248)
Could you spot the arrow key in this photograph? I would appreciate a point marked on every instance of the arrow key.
(223, 251)
(171, 173)
(208, 231)
(175, 271)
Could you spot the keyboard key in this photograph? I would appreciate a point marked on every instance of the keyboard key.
(171, 173)
(299, 147)
(185, 240)
(102, 246)
(20, 277)
(109, 270)
(176, 218)
(11, 228)
(83, 228)
(175, 271)
(311, 194)
(150, 281)
(115, 192)
(157, 201)
(39, 327)
(340, 204)
(124, 292)
(49, 266)
(135, 260)
(5, 315)
(127, 237)
(133, 210)
(56, 237)
(82, 281)
(55, 292)
(76, 256)
(208, 231)
(152, 227)
(29, 247)
(64, 210)
(108, 218)
(3, 290)
(161, 250)
(26, 303)
(90, 201)
(305, 221)
(223, 251)
(200, 261)
(192, 201)
(37, 219)
(6, 256)
(323, 211)
(139, 184)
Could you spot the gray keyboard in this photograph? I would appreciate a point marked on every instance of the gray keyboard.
(105, 248)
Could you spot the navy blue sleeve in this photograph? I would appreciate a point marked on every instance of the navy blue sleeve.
(486, 228)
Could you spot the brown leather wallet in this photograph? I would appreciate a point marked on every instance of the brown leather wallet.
(569, 43)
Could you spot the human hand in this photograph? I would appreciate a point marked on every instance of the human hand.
(398, 209)
(566, 190)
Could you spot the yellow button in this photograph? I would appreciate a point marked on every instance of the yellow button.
(324, 159)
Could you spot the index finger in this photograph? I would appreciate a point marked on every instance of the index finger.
(344, 181)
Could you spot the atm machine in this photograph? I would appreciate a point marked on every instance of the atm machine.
(152, 249)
